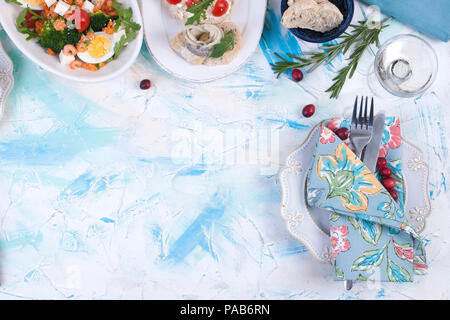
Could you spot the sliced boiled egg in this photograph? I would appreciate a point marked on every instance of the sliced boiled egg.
(99, 49)
(32, 4)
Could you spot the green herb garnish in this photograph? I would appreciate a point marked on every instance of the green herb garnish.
(199, 11)
(13, 1)
(361, 37)
(225, 43)
(22, 23)
(130, 27)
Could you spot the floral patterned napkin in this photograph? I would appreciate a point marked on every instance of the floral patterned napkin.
(370, 236)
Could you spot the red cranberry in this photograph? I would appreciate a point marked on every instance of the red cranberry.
(342, 133)
(394, 194)
(297, 75)
(145, 84)
(308, 110)
(388, 183)
(381, 162)
(386, 172)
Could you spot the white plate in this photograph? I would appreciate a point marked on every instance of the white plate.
(8, 16)
(160, 28)
(310, 225)
(6, 79)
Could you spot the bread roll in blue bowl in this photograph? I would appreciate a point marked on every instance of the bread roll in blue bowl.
(346, 8)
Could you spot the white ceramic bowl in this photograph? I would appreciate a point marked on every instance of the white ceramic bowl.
(31, 49)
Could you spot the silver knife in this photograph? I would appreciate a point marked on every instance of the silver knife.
(373, 148)
(370, 156)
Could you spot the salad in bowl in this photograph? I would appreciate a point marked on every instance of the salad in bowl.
(81, 36)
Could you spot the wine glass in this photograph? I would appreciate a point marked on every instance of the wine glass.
(405, 66)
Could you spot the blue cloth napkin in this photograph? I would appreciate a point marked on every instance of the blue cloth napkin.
(427, 16)
(369, 233)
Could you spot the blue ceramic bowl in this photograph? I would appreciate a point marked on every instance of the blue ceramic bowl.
(345, 6)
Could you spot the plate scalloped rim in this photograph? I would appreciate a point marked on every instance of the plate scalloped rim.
(304, 228)
(6, 79)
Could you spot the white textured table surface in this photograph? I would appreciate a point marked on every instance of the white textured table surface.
(110, 192)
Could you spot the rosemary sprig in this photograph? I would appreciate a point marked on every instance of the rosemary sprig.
(361, 37)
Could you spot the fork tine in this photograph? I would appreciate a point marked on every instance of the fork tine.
(360, 117)
(371, 114)
(354, 122)
(366, 122)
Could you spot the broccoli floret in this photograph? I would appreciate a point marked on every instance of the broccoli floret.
(56, 40)
(99, 21)
(72, 36)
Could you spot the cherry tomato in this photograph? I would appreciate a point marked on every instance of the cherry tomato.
(189, 3)
(174, 1)
(82, 19)
(220, 8)
(31, 20)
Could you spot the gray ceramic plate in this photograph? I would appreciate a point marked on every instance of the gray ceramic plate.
(310, 226)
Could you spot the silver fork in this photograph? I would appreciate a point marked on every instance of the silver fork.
(360, 136)
(362, 126)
